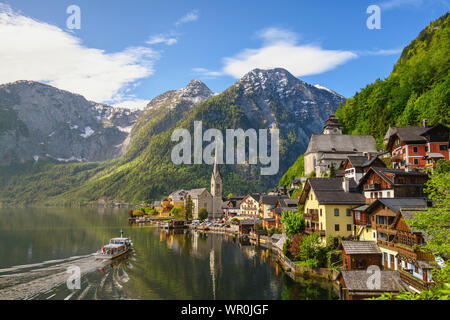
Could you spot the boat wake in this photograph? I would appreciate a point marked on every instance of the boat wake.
(48, 280)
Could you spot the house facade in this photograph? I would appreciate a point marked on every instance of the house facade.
(328, 204)
(355, 167)
(409, 145)
(250, 205)
(359, 255)
(390, 183)
(386, 224)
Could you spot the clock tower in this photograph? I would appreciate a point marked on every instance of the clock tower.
(216, 191)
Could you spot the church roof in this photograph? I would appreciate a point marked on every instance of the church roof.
(341, 143)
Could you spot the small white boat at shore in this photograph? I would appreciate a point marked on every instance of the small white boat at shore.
(115, 248)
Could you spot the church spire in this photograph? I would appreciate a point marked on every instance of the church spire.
(216, 166)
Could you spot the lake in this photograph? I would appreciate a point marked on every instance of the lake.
(39, 248)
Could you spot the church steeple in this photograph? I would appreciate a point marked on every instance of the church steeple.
(216, 189)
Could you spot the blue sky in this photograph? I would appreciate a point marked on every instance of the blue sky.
(127, 52)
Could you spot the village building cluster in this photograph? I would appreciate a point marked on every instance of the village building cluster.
(348, 193)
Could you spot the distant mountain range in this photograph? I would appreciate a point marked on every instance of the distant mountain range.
(40, 122)
(72, 128)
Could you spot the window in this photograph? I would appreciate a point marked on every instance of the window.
(374, 235)
(443, 147)
(349, 213)
(349, 227)
(336, 227)
(320, 212)
(404, 151)
(426, 148)
(336, 212)
(415, 150)
(388, 194)
(416, 162)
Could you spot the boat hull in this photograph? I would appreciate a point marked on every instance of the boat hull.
(100, 256)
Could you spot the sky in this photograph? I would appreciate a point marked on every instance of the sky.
(125, 53)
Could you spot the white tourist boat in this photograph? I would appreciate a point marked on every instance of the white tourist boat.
(115, 248)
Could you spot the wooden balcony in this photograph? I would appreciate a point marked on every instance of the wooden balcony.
(386, 244)
(372, 187)
(386, 229)
(413, 253)
(413, 281)
(311, 216)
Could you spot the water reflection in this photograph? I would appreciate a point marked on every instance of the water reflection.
(175, 264)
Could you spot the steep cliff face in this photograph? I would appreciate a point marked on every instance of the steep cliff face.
(40, 122)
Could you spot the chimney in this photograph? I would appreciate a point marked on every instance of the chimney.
(346, 184)
(425, 123)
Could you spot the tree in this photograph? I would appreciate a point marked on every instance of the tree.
(293, 222)
(434, 221)
(203, 214)
(332, 171)
(188, 207)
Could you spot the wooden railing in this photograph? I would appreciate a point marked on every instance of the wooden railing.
(311, 216)
(414, 281)
(386, 244)
(372, 187)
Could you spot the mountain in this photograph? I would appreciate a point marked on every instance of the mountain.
(40, 122)
(417, 88)
(164, 111)
(261, 99)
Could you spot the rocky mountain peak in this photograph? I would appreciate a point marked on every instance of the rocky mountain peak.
(196, 88)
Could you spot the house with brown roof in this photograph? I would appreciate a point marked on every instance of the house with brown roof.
(396, 239)
(390, 183)
(328, 204)
(356, 166)
(359, 255)
(408, 145)
(250, 205)
(360, 284)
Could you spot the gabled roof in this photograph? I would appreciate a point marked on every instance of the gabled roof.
(360, 247)
(330, 191)
(395, 204)
(280, 210)
(287, 202)
(197, 192)
(356, 281)
(386, 173)
(270, 200)
(178, 195)
(341, 143)
(413, 134)
(255, 196)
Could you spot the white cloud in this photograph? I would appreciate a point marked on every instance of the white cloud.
(189, 17)
(136, 104)
(162, 38)
(381, 52)
(207, 73)
(390, 4)
(280, 49)
(274, 35)
(34, 50)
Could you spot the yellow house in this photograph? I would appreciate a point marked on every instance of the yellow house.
(328, 204)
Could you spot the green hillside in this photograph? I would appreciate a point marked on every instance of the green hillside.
(417, 89)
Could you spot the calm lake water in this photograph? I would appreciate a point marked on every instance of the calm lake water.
(38, 246)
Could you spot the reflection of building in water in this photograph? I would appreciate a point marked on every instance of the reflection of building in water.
(195, 242)
(248, 251)
(213, 272)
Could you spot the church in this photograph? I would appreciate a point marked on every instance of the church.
(332, 148)
(211, 201)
